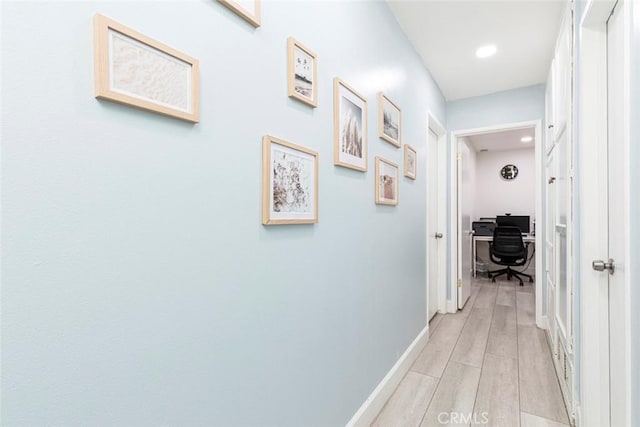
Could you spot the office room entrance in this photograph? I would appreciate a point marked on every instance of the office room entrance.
(496, 181)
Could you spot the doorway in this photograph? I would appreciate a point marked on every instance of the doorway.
(436, 217)
(604, 247)
(464, 212)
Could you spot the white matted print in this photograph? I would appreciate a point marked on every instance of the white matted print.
(386, 182)
(410, 161)
(350, 127)
(249, 10)
(133, 69)
(302, 70)
(290, 183)
(389, 120)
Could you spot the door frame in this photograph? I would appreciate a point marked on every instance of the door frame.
(455, 217)
(594, 404)
(434, 124)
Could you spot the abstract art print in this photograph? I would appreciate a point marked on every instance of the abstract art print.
(289, 183)
(249, 10)
(350, 127)
(389, 120)
(133, 69)
(410, 161)
(302, 73)
(386, 182)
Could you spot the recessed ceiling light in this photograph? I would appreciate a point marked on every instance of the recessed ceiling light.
(486, 51)
(527, 139)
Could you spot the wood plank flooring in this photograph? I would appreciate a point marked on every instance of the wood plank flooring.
(486, 365)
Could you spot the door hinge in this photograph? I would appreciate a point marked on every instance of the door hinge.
(458, 156)
(459, 283)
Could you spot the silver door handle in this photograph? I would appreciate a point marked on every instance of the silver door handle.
(438, 236)
(600, 265)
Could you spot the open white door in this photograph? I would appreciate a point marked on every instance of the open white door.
(465, 196)
(434, 234)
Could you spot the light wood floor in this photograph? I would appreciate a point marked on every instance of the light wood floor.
(488, 363)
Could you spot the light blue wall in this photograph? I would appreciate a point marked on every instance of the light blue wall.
(517, 105)
(138, 285)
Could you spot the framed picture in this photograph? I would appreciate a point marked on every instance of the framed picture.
(386, 182)
(410, 161)
(289, 183)
(249, 10)
(133, 69)
(389, 120)
(302, 73)
(350, 127)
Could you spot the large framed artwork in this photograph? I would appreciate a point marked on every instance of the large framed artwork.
(350, 127)
(289, 183)
(249, 10)
(386, 182)
(133, 69)
(410, 161)
(389, 120)
(302, 70)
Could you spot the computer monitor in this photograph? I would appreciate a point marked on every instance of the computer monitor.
(520, 221)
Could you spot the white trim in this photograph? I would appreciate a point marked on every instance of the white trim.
(539, 176)
(436, 126)
(375, 402)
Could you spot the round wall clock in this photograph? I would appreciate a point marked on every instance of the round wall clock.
(509, 172)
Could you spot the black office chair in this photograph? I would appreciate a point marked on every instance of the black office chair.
(508, 249)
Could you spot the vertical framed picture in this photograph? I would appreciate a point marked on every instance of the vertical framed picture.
(386, 182)
(389, 120)
(135, 70)
(289, 183)
(249, 10)
(350, 127)
(410, 161)
(302, 70)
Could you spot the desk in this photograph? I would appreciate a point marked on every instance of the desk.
(526, 238)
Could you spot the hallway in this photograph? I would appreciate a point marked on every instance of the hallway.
(488, 363)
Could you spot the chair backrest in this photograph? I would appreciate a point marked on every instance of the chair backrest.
(507, 242)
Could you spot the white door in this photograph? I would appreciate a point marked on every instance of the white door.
(434, 238)
(618, 351)
(465, 196)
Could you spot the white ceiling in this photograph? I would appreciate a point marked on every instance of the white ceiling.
(446, 34)
(502, 141)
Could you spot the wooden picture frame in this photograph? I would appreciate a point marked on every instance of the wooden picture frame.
(410, 161)
(249, 10)
(289, 183)
(126, 67)
(302, 73)
(349, 127)
(389, 121)
(387, 175)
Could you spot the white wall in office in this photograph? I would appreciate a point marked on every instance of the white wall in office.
(497, 196)
(469, 175)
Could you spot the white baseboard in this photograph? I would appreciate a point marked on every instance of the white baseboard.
(374, 403)
(451, 306)
(544, 323)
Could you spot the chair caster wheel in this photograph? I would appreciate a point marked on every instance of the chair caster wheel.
(531, 280)
(493, 279)
(521, 284)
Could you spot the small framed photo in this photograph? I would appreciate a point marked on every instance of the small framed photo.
(133, 69)
(302, 72)
(386, 182)
(410, 161)
(389, 120)
(249, 10)
(350, 127)
(289, 183)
